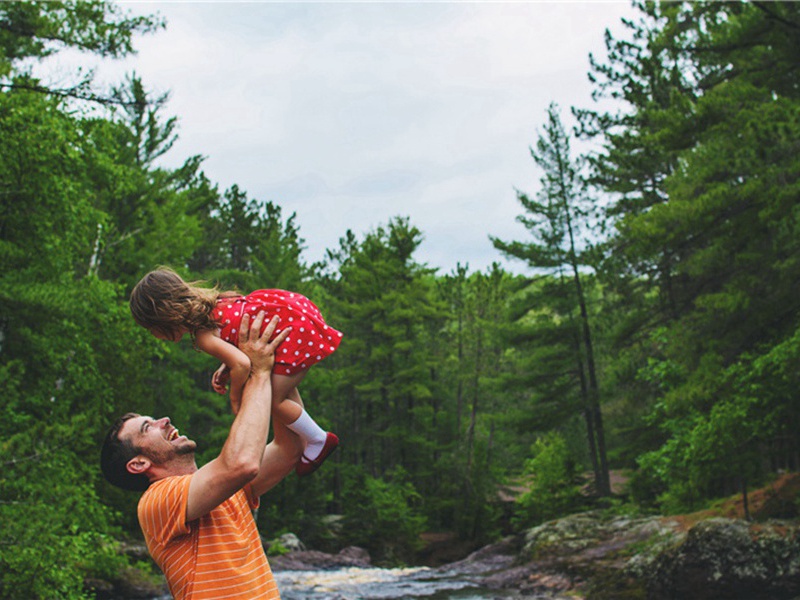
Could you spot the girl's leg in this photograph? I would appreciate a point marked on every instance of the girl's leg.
(286, 402)
(287, 405)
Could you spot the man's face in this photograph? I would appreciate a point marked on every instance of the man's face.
(157, 440)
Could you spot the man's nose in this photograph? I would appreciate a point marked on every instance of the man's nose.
(163, 422)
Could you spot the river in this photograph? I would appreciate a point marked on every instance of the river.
(384, 584)
(356, 583)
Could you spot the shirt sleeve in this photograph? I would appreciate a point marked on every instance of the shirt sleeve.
(162, 509)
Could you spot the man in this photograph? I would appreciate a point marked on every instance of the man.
(198, 523)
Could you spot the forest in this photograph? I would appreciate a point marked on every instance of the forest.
(657, 339)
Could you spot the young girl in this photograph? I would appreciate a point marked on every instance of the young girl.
(169, 307)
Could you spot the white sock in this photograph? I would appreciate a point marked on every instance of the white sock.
(311, 433)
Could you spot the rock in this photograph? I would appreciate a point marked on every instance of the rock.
(492, 558)
(441, 548)
(731, 559)
(333, 523)
(131, 584)
(357, 555)
(135, 550)
(587, 553)
(290, 542)
(351, 556)
(589, 532)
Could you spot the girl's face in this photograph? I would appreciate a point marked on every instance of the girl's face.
(169, 337)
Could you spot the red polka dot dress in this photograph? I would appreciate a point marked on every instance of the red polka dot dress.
(311, 338)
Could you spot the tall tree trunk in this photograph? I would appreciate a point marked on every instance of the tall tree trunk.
(460, 387)
(588, 414)
(604, 483)
(475, 396)
(604, 489)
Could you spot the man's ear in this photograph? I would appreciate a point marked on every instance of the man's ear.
(137, 465)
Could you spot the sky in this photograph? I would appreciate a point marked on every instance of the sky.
(349, 114)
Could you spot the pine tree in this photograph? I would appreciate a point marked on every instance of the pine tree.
(556, 220)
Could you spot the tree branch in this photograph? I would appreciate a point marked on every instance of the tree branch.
(764, 7)
(76, 93)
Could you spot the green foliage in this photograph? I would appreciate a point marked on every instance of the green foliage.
(561, 223)
(682, 258)
(552, 490)
(704, 237)
(383, 515)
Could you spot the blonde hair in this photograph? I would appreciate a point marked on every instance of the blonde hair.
(163, 301)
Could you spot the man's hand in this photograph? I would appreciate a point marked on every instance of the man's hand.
(256, 345)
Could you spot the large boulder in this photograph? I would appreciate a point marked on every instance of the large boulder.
(724, 559)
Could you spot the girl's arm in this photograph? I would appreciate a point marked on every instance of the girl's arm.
(235, 359)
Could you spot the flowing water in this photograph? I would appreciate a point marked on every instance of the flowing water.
(384, 584)
(356, 583)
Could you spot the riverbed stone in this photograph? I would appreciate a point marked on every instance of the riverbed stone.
(730, 559)
(307, 560)
(290, 542)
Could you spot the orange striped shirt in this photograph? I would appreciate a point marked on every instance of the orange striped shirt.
(215, 557)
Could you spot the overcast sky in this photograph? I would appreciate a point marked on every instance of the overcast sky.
(351, 113)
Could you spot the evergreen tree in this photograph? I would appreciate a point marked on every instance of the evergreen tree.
(64, 336)
(380, 295)
(721, 239)
(559, 220)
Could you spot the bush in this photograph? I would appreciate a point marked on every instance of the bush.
(383, 515)
(553, 491)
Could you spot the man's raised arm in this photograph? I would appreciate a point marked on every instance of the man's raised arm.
(240, 459)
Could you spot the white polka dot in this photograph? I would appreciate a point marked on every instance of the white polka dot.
(332, 348)
(236, 314)
(285, 350)
(302, 329)
(319, 358)
(220, 313)
(322, 345)
(296, 353)
(230, 305)
(310, 343)
(307, 355)
(291, 318)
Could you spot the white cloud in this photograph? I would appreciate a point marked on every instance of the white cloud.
(351, 113)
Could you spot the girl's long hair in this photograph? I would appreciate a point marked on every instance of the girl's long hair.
(163, 301)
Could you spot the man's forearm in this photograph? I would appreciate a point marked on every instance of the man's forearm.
(250, 429)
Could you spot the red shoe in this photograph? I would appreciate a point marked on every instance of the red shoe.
(306, 466)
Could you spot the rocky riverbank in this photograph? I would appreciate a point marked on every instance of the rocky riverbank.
(598, 557)
(594, 555)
